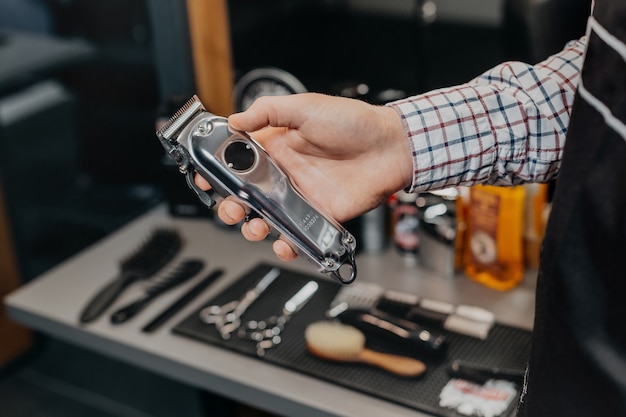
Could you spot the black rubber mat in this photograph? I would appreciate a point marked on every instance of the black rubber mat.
(506, 347)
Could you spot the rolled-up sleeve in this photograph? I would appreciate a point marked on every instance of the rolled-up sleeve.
(505, 127)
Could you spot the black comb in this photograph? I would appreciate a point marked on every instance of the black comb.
(158, 249)
(181, 273)
(180, 303)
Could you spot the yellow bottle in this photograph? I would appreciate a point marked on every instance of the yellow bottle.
(534, 222)
(494, 253)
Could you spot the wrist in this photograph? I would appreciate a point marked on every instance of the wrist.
(397, 140)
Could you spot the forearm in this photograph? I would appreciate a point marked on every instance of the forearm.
(505, 127)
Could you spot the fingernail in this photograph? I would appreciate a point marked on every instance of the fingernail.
(230, 212)
(256, 229)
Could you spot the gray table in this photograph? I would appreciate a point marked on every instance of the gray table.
(52, 302)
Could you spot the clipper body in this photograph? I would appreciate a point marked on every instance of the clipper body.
(236, 165)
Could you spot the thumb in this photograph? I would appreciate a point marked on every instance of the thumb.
(275, 111)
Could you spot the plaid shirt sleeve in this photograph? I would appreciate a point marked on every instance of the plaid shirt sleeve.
(505, 127)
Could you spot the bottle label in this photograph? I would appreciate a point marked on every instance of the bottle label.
(484, 221)
(405, 230)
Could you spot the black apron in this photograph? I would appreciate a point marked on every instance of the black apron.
(578, 359)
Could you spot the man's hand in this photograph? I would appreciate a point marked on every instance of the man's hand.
(346, 156)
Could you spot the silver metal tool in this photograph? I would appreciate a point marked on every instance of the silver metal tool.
(267, 333)
(236, 165)
(227, 317)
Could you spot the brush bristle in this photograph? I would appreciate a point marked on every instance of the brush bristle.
(333, 340)
(157, 250)
(178, 274)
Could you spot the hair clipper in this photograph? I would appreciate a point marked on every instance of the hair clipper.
(236, 165)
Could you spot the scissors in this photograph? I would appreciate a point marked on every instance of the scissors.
(227, 317)
(267, 333)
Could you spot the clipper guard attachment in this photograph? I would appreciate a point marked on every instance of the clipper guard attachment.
(236, 165)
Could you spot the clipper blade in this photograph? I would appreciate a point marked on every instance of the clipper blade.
(180, 118)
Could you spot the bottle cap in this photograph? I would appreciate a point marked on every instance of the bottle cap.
(405, 197)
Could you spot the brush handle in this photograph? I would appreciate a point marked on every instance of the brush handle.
(481, 373)
(129, 311)
(398, 365)
(106, 296)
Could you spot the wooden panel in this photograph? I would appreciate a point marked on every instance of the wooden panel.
(209, 31)
(14, 339)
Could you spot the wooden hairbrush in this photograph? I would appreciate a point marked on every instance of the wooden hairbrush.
(338, 342)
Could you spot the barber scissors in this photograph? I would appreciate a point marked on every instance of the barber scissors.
(227, 317)
(267, 333)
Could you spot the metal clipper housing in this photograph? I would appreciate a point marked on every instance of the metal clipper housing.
(236, 165)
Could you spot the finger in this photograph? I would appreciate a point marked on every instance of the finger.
(276, 111)
(258, 116)
(230, 212)
(255, 230)
(201, 182)
(283, 251)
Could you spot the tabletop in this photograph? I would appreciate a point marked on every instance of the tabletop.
(52, 303)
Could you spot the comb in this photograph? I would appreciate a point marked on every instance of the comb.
(180, 303)
(156, 251)
(359, 295)
(181, 273)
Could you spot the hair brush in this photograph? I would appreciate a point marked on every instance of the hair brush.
(157, 250)
(182, 272)
(334, 341)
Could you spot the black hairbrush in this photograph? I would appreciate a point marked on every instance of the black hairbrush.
(158, 249)
(181, 273)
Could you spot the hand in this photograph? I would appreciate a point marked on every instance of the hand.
(344, 155)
